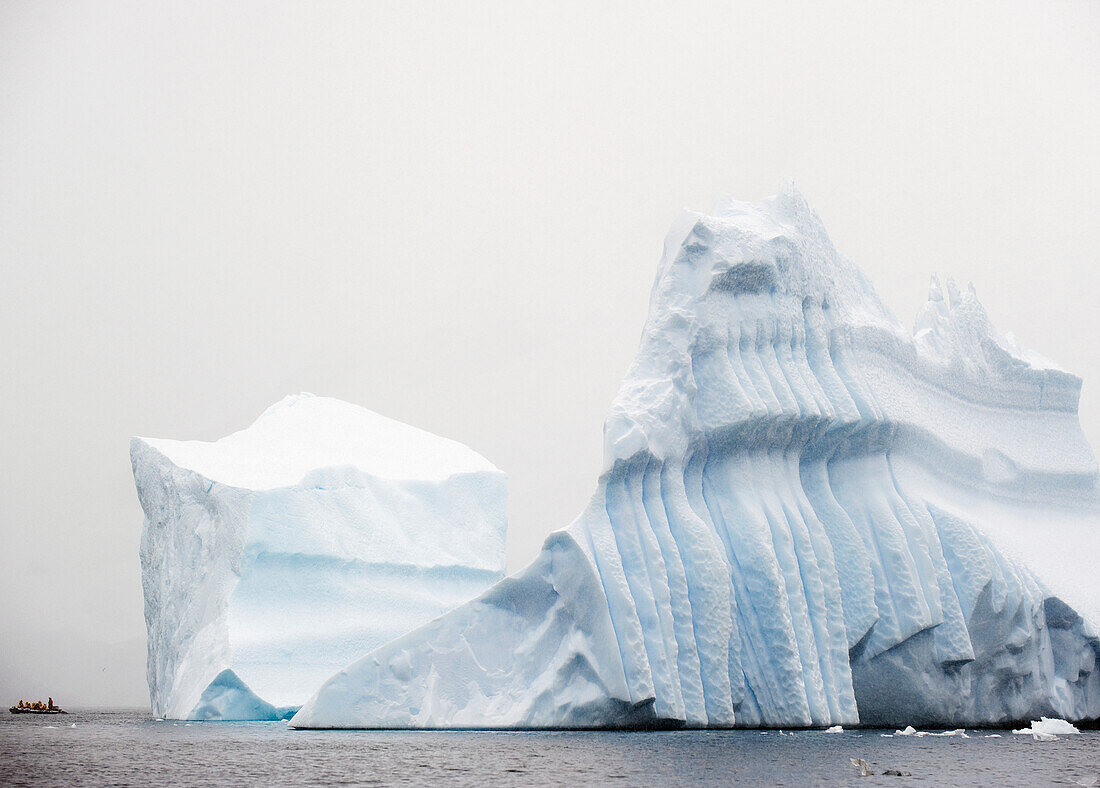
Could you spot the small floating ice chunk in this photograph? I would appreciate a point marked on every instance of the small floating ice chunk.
(909, 731)
(863, 766)
(1053, 726)
(73, 725)
(835, 729)
(1048, 729)
(993, 735)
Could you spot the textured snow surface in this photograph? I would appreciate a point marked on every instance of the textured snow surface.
(809, 516)
(1050, 727)
(277, 555)
(303, 433)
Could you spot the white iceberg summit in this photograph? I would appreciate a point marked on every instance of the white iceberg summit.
(275, 556)
(809, 516)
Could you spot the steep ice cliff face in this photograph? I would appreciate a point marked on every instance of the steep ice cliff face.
(809, 516)
(278, 554)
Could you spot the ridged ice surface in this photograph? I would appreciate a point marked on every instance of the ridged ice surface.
(809, 516)
(275, 556)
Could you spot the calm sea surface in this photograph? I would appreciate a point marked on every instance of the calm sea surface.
(130, 748)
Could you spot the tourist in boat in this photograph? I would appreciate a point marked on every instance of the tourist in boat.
(20, 704)
(50, 707)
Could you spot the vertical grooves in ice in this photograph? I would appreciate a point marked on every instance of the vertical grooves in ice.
(647, 584)
(688, 668)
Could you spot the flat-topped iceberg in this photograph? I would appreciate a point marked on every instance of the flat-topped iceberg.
(809, 516)
(275, 556)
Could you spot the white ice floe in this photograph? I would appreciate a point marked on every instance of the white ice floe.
(835, 729)
(1056, 726)
(1047, 729)
(277, 555)
(911, 731)
(808, 516)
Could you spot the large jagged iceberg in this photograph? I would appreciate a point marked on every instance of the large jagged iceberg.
(280, 553)
(809, 516)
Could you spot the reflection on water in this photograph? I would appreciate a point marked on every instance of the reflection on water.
(129, 747)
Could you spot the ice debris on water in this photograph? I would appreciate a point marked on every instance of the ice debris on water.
(1058, 726)
(1048, 729)
(835, 729)
(863, 766)
(911, 731)
(281, 553)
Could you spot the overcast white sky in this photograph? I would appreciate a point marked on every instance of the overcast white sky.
(451, 214)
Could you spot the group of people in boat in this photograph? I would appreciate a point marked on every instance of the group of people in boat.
(37, 705)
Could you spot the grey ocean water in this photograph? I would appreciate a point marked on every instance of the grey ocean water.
(130, 748)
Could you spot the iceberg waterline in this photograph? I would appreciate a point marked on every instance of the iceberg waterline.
(277, 555)
(809, 516)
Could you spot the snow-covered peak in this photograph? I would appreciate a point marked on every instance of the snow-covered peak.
(766, 275)
(303, 433)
